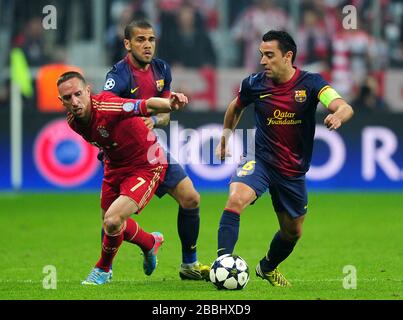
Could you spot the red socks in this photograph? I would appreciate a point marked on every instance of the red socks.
(134, 234)
(110, 246)
(131, 232)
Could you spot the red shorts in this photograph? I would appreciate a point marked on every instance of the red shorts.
(139, 184)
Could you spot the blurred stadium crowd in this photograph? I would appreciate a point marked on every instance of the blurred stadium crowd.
(212, 35)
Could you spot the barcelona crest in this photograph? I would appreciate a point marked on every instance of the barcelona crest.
(160, 84)
(300, 95)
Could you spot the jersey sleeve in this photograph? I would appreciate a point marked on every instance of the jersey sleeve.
(166, 91)
(245, 96)
(324, 92)
(115, 83)
(121, 107)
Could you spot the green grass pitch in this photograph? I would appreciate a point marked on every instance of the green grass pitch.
(63, 230)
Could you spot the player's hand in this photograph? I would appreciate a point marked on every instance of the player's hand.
(149, 122)
(178, 101)
(332, 122)
(221, 151)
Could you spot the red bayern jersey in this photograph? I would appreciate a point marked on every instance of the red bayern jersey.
(117, 128)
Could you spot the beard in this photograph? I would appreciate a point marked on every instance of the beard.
(141, 61)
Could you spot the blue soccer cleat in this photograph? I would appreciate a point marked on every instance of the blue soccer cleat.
(150, 258)
(97, 276)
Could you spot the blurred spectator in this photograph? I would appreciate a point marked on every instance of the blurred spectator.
(234, 9)
(32, 42)
(4, 96)
(393, 30)
(209, 11)
(365, 53)
(252, 23)
(169, 5)
(122, 14)
(189, 44)
(369, 100)
(167, 33)
(313, 42)
(396, 57)
(356, 53)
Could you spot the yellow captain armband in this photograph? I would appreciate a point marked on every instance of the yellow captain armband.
(327, 94)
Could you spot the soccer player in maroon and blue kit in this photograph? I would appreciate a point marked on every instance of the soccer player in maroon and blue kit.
(285, 100)
(140, 76)
(134, 164)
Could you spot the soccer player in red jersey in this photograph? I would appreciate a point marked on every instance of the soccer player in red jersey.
(140, 75)
(285, 100)
(135, 165)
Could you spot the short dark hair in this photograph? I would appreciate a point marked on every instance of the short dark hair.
(142, 24)
(70, 75)
(285, 42)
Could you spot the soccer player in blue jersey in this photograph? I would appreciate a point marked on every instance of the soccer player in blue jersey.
(285, 100)
(141, 76)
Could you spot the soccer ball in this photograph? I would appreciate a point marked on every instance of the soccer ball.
(229, 272)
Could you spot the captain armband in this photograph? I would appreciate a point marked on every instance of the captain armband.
(327, 94)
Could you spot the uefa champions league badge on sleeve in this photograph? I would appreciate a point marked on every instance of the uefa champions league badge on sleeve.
(132, 106)
(109, 84)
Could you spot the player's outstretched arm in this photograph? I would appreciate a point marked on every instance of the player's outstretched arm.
(177, 101)
(231, 119)
(341, 112)
(159, 120)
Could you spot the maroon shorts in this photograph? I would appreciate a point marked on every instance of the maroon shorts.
(139, 184)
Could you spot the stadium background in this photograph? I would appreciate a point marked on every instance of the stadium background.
(211, 46)
(218, 47)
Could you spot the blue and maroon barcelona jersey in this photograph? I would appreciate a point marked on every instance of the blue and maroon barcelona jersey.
(285, 118)
(126, 81)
